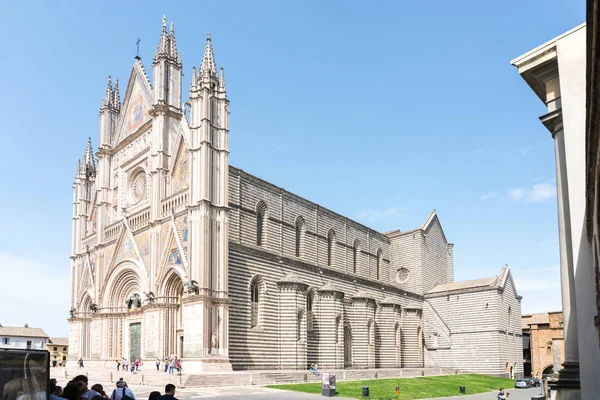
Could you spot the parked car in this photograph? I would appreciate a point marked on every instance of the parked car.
(522, 384)
(534, 382)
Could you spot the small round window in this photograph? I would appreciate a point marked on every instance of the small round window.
(137, 189)
(402, 275)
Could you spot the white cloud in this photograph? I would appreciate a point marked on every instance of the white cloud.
(35, 293)
(393, 212)
(516, 194)
(542, 191)
(488, 196)
(538, 193)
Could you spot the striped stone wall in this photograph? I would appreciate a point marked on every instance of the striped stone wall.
(472, 330)
(338, 300)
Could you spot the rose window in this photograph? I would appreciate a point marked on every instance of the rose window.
(402, 275)
(138, 187)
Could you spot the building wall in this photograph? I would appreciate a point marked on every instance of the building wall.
(546, 341)
(261, 347)
(20, 342)
(471, 330)
(58, 353)
(436, 257)
(571, 55)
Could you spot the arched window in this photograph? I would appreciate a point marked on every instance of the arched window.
(330, 247)
(309, 310)
(355, 254)
(261, 222)
(299, 326)
(338, 320)
(299, 236)
(254, 302)
(379, 257)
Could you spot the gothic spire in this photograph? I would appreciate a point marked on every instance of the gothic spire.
(89, 165)
(172, 42)
(193, 85)
(116, 99)
(163, 44)
(222, 79)
(108, 95)
(208, 61)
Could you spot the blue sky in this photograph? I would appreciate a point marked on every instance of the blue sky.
(378, 110)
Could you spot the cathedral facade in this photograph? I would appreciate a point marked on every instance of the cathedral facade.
(177, 253)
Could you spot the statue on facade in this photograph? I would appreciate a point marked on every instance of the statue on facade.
(213, 342)
(94, 307)
(192, 287)
(73, 312)
(134, 302)
(150, 297)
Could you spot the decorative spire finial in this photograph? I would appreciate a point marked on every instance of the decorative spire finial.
(222, 78)
(108, 95)
(172, 29)
(193, 84)
(208, 66)
(164, 21)
(116, 97)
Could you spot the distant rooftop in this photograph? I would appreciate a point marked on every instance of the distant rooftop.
(475, 283)
(23, 331)
(59, 341)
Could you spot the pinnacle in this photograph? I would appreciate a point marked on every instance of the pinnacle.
(193, 84)
(222, 78)
(208, 61)
(116, 99)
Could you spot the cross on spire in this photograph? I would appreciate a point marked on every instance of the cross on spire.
(137, 54)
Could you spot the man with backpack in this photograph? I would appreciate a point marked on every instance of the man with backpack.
(122, 392)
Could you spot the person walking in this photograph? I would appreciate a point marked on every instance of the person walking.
(158, 364)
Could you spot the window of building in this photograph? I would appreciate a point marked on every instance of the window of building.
(299, 236)
(330, 247)
(55, 348)
(255, 302)
(29, 344)
(549, 350)
(299, 327)
(379, 257)
(309, 311)
(64, 349)
(6, 340)
(261, 223)
(64, 358)
(337, 328)
(355, 252)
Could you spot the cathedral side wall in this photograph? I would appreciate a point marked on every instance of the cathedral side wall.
(406, 253)
(435, 258)
(285, 209)
(481, 338)
(259, 347)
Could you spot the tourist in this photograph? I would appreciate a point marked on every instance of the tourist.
(86, 393)
(503, 395)
(314, 369)
(118, 365)
(80, 362)
(178, 367)
(72, 391)
(171, 367)
(154, 395)
(169, 392)
(58, 391)
(100, 389)
(166, 364)
(122, 392)
(52, 390)
(158, 364)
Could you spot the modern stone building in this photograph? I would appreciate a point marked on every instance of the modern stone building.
(544, 335)
(556, 72)
(175, 252)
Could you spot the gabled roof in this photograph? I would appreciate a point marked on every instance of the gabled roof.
(22, 331)
(59, 341)
(496, 282)
(475, 283)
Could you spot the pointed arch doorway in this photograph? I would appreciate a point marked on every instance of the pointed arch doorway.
(173, 316)
(347, 347)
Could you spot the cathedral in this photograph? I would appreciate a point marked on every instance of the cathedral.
(177, 253)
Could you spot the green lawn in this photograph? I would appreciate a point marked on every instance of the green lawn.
(410, 388)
